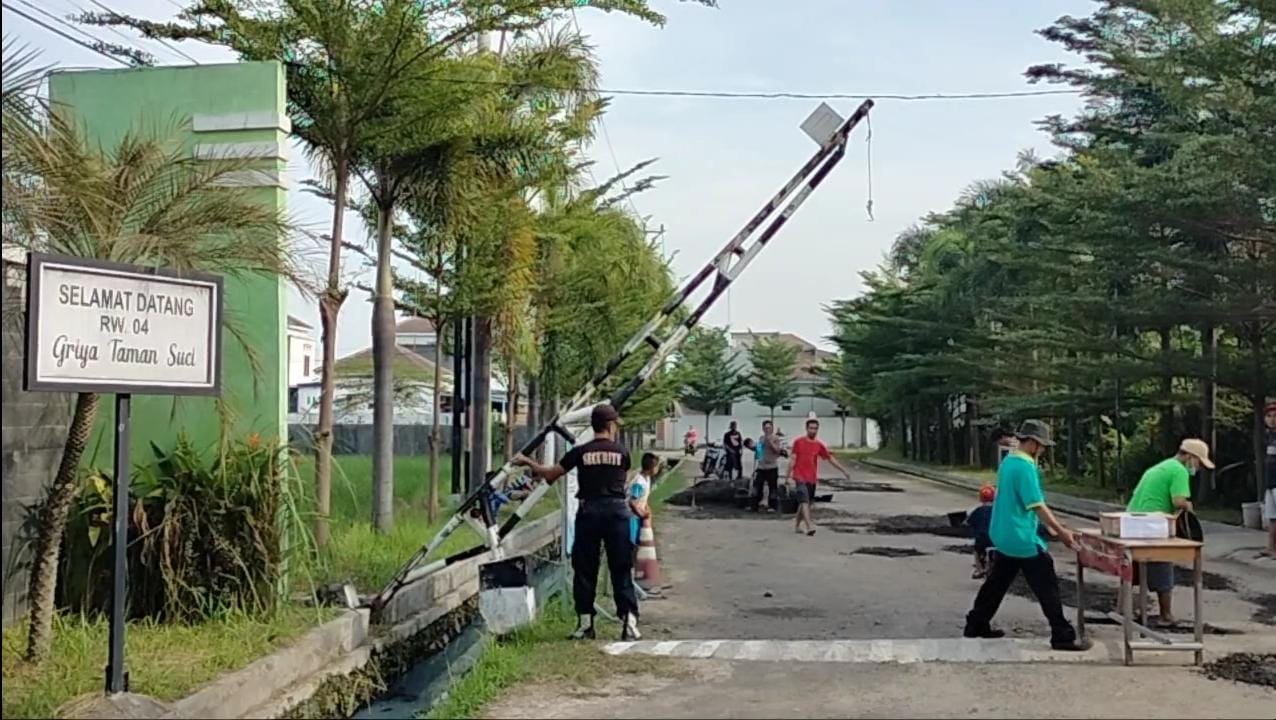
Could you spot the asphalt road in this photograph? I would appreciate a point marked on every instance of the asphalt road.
(734, 575)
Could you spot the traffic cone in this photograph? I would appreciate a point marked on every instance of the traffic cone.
(647, 566)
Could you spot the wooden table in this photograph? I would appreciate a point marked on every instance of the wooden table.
(1116, 556)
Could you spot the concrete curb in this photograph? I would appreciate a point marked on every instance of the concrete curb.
(235, 694)
(274, 685)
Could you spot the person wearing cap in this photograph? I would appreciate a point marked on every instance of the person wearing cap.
(978, 520)
(1269, 469)
(1017, 512)
(1165, 488)
(602, 519)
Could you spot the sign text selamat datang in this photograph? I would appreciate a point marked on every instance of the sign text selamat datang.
(108, 326)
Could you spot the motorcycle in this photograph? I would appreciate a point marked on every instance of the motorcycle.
(714, 462)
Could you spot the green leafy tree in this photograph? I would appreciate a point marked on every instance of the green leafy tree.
(1122, 288)
(772, 378)
(710, 373)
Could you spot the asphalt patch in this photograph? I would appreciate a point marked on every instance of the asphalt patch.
(1265, 612)
(1187, 629)
(887, 552)
(708, 492)
(1250, 668)
(917, 525)
(860, 486)
(967, 549)
(1209, 580)
(1101, 600)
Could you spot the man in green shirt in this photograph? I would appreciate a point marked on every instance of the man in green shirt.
(1165, 488)
(1018, 510)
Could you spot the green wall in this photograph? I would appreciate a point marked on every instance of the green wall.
(233, 109)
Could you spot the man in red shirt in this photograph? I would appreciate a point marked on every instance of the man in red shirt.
(804, 470)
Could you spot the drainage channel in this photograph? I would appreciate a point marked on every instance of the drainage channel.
(427, 683)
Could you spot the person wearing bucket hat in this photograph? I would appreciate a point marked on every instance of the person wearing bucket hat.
(1017, 512)
(1166, 488)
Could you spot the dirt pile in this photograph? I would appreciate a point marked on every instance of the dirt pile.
(709, 492)
(1251, 668)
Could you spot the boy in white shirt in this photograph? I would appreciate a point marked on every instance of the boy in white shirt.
(639, 492)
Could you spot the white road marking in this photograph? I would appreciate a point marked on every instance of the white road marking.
(954, 650)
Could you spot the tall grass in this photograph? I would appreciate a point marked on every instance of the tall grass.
(207, 534)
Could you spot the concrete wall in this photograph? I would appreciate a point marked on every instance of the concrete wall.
(792, 427)
(231, 110)
(35, 427)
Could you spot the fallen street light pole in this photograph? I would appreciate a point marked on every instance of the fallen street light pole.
(663, 333)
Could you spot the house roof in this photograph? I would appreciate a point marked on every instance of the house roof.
(408, 365)
(415, 325)
(810, 357)
(297, 323)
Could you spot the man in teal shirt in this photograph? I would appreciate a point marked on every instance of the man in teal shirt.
(1017, 546)
(1166, 488)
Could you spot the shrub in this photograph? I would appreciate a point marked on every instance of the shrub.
(204, 536)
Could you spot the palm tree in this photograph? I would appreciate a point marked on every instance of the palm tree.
(145, 202)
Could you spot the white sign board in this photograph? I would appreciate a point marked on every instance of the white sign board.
(105, 327)
(822, 124)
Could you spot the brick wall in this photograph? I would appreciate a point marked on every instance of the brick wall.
(35, 426)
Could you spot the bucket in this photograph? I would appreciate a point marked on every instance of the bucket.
(1252, 514)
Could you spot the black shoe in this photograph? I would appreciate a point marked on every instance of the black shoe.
(987, 634)
(1073, 645)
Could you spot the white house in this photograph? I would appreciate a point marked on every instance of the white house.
(839, 427)
(413, 384)
(303, 365)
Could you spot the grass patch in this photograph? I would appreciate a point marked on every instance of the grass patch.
(540, 654)
(165, 661)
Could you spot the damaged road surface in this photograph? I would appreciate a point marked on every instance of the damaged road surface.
(893, 567)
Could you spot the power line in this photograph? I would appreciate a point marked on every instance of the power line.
(63, 35)
(602, 123)
(776, 95)
(61, 21)
(161, 41)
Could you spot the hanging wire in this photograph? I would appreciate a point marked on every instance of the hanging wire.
(868, 142)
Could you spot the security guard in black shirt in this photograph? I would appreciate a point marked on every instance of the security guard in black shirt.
(603, 518)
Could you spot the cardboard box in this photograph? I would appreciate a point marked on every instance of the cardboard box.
(1140, 526)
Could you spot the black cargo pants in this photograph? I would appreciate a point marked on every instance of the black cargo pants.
(605, 523)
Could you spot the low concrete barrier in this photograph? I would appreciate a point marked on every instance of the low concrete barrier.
(436, 607)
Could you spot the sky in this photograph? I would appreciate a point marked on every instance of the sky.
(725, 157)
